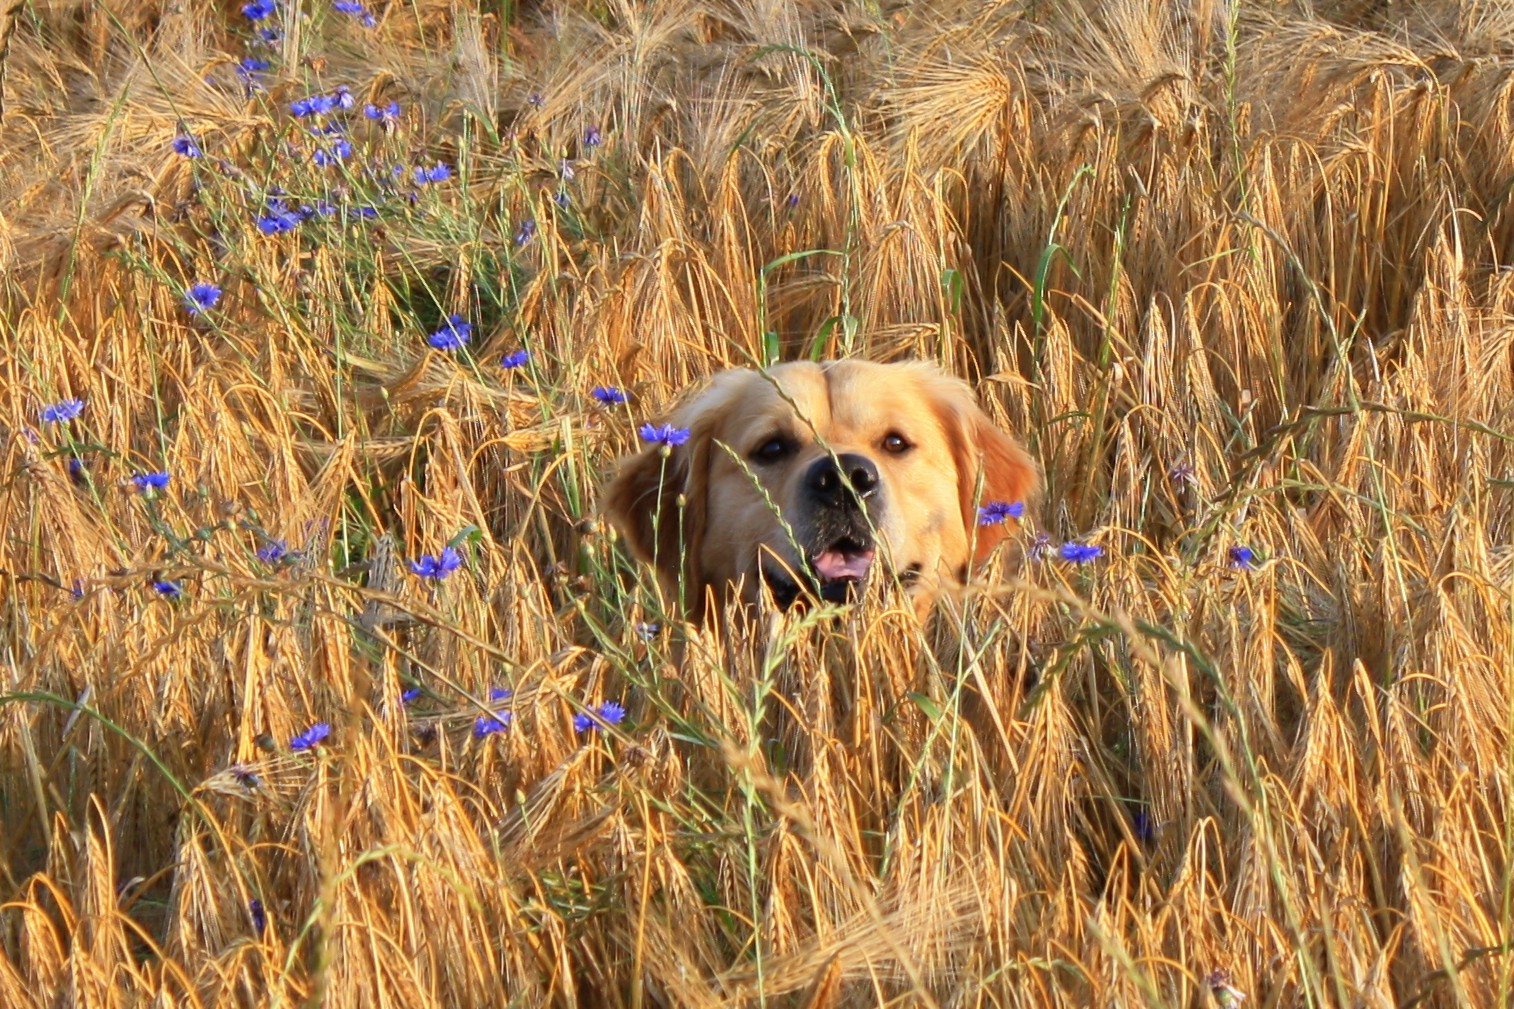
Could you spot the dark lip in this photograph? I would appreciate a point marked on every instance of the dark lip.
(787, 591)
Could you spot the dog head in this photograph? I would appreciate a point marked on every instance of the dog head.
(808, 478)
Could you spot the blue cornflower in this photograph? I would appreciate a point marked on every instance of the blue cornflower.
(516, 359)
(996, 512)
(325, 156)
(273, 551)
(608, 713)
(1142, 826)
(310, 738)
(148, 482)
(277, 219)
(386, 115)
(437, 567)
(453, 335)
(201, 297)
(498, 721)
(665, 434)
(257, 10)
(1079, 553)
(592, 137)
(67, 410)
(77, 471)
(609, 395)
(410, 695)
(247, 72)
(322, 208)
(259, 916)
(342, 97)
(167, 589)
(185, 145)
(347, 7)
(363, 213)
(792, 202)
(526, 231)
(425, 176)
(269, 35)
(1242, 557)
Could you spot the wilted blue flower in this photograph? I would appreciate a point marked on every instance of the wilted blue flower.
(609, 395)
(561, 199)
(1040, 543)
(1079, 553)
(565, 170)
(77, 471)
(186, 146)
(1141, 825)
(259, 916)
(526, 231)
(437, 567)
(342, 97)
(646, 630)
(664, 434)
(167, 589)
(151, 481)
(273, 551)
(996, 512)
(453, 335)
(388, 114)
(609, 713)
(201, 297)
(592, 137)
(1242, 557)
(536, 100)
(310, 738)
(1181, 472)
(792, 201)
(76, 590)
(268, 36)
(257, 10)
(63, 411)
(516, 358)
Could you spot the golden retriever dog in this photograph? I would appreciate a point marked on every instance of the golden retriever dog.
(805, 480)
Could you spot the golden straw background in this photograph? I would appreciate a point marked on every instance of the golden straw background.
(1239, 274)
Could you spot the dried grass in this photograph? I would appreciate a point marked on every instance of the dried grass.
(1241, 274)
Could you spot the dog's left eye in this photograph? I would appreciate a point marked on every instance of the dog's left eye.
(896, 443)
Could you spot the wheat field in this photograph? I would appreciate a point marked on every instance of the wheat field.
(324, 684)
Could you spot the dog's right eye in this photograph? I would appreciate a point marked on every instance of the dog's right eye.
(772, 450)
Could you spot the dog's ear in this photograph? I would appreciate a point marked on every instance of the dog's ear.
(992, 468)
(657, 500)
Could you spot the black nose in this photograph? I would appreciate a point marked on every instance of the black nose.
(828, 478)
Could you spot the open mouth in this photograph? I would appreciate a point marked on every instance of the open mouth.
(835, 573)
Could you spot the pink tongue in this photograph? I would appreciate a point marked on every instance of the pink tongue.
(833, 564)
